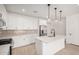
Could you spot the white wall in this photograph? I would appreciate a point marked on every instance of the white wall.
(60, 27)
(72, 27)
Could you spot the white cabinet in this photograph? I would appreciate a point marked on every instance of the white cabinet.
(11, 23)
(20, 22)
(3, 12)
(27, 23)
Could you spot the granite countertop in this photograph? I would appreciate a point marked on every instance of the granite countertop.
(47, 39)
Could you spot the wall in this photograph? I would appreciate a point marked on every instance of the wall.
(60, 27)
(72, 29)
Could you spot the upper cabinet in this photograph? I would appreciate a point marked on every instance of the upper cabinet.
(20, 22)
(3, 17)
(3, 12)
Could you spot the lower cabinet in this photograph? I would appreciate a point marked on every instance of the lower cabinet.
(25, 50)
(24, 45)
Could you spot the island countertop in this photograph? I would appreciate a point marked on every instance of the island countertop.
(47, 39)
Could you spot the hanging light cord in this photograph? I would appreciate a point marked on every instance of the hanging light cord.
(48, 11)
(55, 13)
(60, 14)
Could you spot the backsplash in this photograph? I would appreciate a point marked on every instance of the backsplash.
(5, 33)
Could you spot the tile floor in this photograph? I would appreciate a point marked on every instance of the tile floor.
(70, 49)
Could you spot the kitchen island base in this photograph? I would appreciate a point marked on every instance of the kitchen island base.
(51, 46)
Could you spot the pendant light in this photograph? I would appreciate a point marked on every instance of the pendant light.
(48, 12)
(60, 14)
(55, 15)
(60, 19)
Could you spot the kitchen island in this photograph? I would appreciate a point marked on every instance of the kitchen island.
(49, 45)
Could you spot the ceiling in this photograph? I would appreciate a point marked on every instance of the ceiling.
(41, 10)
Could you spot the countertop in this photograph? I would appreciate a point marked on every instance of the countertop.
(47, 39)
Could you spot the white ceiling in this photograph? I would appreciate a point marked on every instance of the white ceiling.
(42, 9)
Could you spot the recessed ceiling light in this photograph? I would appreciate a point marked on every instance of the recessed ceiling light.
(23, 10)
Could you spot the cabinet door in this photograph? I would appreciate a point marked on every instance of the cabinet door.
(11, 23)
(30, 23)
(3, 12)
